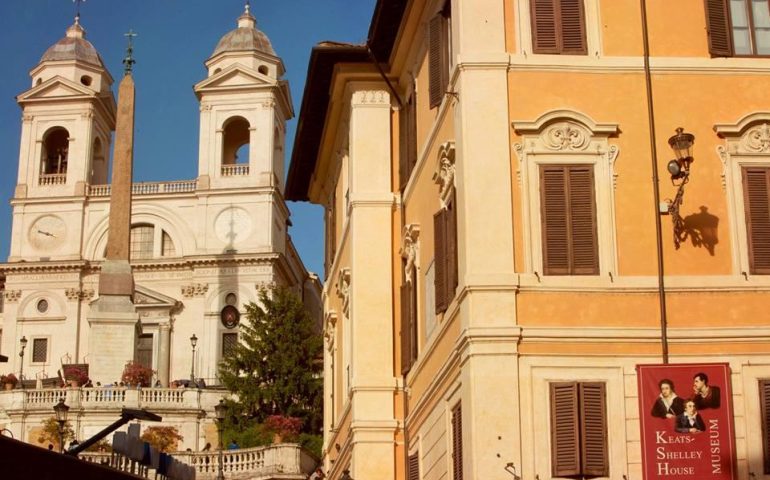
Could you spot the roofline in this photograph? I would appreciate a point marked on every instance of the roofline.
(384, 27)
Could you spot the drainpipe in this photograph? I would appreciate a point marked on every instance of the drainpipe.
(655, 183)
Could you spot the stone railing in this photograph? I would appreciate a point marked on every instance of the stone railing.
(147, 188)
(109, 397)
(52, 179)
(235, 170)
(285, 461)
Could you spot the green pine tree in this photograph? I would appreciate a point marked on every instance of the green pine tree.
(276, 367)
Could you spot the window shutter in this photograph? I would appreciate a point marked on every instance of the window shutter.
(593, 430)
(403, 142)
(434, 60)
(764, 405)
(451, 250)
(544, 26)
(411, 147)
(440, 253)
(414, 467)
(718, 28)
(406, 329)
(457, 443)
(565, 455)
(756, 191)
(554, 219)
(573, 27)
(582, 212)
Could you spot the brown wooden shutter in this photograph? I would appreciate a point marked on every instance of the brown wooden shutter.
(582, 213)
(593, 430)
(457, 443)
(573, 27)
(406, 329)
(565, 432)
(544, 27)
(414, 467)
(720, 36)
(451, 251)
(439, 260)
(554, 219)
(435, 54)
(764, 405)
(568, 218)
(756, 191)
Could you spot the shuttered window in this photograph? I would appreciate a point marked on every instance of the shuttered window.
(409, 342)
(756, 194)
(438, 55)
(558, 27)
(738, 27)
(764, 405)
(568, 216)
(39, 350)
(229, 342)
(445, 250)
(408, 141)
(414, 467)
(457, 443)
(579, 429)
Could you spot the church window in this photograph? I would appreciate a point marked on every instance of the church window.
(144, 350)
(167, 247)
(231, 299)
(86, 80)
(235, 146)
(141, 241)
(39, 350)
(53, 164)
(262, 69)
(42, 306)
(229, 342)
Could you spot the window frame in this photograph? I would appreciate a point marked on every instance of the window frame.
(731, 31)
(593, 33)
(560, 47)
(32, 340)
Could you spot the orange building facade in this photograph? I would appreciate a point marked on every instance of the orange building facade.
(488, 171)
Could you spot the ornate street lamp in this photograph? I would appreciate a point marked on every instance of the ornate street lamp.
(221, 411)
(346, 475)
(61, 410)
(193, 342)
(679, 168)
(23, 342)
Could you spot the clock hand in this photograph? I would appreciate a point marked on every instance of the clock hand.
(46, 233)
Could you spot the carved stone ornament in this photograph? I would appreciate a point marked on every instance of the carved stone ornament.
(343, 288)
(370, 97)
(195, 290)
(444, 176)
(757, 139)
(566, 136)
(259, 286)
(12, 296)
(330, 324)
(73, 294)
(409, 249)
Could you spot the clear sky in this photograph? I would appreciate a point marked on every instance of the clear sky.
(174, 38)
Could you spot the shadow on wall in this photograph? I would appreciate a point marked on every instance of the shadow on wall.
(701, 228)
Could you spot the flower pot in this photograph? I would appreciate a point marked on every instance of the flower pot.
(73, 383)
(277, 438)
(9, 386)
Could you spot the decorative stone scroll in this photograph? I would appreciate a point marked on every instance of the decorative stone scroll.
(409, 248)
(195, 290)
(747, 138)
(12, 296)
(444, 176)
(343, 289)
(330, 323)
(73, 294)
(370, 97)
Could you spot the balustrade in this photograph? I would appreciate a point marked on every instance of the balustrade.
(147, 188)
(162, 395)
(52, 179)
(235, 170)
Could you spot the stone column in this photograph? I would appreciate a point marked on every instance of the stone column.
(164, 351)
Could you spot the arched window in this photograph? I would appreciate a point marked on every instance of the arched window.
(142, 237)
(235, 146)
(98, 164)
(53, 164)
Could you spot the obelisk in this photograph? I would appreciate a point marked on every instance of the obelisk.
(113, 318)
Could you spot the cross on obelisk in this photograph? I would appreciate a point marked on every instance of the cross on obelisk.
(77, 8)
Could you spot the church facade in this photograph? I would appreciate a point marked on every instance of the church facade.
(200, 249)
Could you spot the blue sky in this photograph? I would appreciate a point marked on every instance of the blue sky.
(174, 38)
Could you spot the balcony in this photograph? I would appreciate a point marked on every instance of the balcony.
(284, 461)
(235, 170)
(52, 179)
(147, 188)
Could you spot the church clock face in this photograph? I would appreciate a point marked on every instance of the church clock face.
(47, 232)
(233, 225)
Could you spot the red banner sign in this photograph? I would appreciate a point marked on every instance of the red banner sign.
(686, 417)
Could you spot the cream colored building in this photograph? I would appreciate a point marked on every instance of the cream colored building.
(200, 248)
(485, 167)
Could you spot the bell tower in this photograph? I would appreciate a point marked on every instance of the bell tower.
(244, 105)
(68, 115)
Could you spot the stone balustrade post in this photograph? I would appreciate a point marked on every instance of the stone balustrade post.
(132, 398)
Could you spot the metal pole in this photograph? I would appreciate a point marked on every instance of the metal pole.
(21, 368)
(61, 436)
(220, 472)
(655, 182)
(192, 368)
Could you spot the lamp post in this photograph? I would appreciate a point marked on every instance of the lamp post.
(679, 168)
(193, 342)
(220, 410)
(61, 410)
(23, 342)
